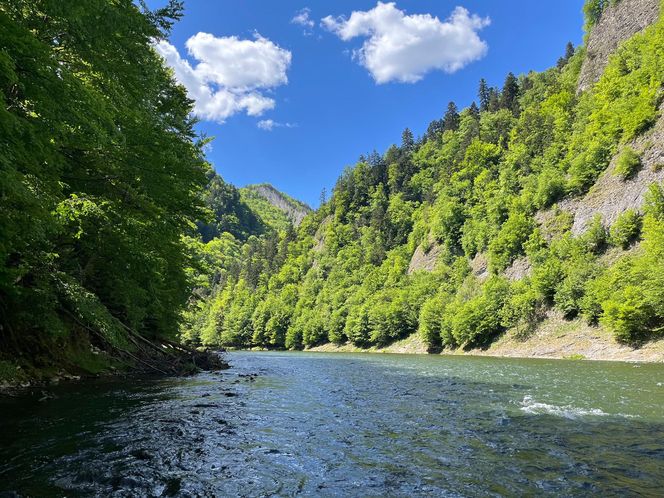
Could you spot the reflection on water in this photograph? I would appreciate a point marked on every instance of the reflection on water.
(340, 425)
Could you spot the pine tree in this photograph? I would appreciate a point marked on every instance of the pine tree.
(569, 53)
(509, 97)
(407, 140)
(434, 129)
(494, 100)
(474, 110)
(484, 94)
(451, 118)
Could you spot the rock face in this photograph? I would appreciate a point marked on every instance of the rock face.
(519, 269)
(295, 210)
(617, 24)
(424, 260)
(610, 196)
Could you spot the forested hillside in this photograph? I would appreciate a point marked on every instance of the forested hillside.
(477, 226)
(275, 208)
(101, 175)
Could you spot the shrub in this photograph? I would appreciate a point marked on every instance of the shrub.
(430, 322)
(508, 244)
(626, 228)
(524, 308)
(550, 188)
(596, 237)
(654, 205)
(628, 163)
(627, 314)
(478, 319)
(357, 325)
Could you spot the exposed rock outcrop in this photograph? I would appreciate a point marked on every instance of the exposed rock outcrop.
(519, 269)
(618, 23)
(479, 265)
(610, 196)
(423, 259)
(295, 210)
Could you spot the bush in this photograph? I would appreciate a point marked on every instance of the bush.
(391, 319)
(524, 308)
(654, 205)
(508, 244)
(628, 163)
(596, 237)
(429, 326)
(357, 325)
(626, 229)
(628, 314)
(477, 319)
(628, 298)
(550, 188)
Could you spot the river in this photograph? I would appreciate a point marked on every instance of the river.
(282, 424)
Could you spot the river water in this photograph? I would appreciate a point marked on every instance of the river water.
(283, 424)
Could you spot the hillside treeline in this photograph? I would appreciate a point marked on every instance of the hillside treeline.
(480, 188)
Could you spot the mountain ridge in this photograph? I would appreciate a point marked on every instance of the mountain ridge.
(293, 210)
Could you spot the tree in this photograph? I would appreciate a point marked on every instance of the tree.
(484, 95)
(474, 111)
(451, 118)
(509, 97)
(569, 51)
(102, 174)
(407, 141)
(494, 101)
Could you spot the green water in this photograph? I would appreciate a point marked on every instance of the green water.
(283, 424)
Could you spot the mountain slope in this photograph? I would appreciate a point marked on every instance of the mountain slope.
(275, 208)
(485, 224)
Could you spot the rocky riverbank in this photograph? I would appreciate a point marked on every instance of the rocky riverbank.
(554, 338)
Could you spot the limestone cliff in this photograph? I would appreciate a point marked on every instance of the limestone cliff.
(618, 23)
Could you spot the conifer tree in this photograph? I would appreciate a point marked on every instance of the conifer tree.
(451, 118)
(407, 140)
(484, 95)
(509, 97)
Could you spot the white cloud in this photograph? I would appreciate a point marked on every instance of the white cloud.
(269, 125)
(303, 18)
(404, 48)
(231, 75)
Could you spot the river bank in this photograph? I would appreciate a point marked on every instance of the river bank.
(178, 360)
(554, 338)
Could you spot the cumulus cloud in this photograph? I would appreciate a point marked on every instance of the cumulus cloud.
(303, 18)
(403, 48)
(269, 125)
(231, 76)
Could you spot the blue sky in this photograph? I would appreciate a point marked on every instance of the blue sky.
(327, 107)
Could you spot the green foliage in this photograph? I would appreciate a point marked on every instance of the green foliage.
(268, 212)
(473, 317)
(430, 322)
(626, 228)
(524, 308)
(482, 184)
(628, 163)
(593, 9)
(101, 175)
(628, 298)
(230, 212)
(509, 243)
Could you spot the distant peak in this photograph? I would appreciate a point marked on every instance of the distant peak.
(293, 209)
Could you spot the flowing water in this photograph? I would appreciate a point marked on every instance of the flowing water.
(282, 424)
